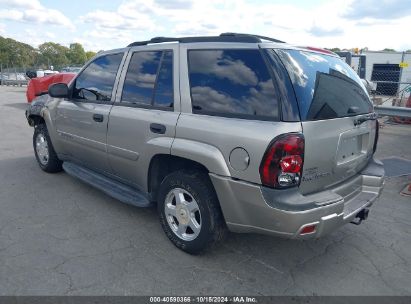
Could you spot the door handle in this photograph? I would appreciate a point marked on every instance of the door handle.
(157, 128)
(98, 117)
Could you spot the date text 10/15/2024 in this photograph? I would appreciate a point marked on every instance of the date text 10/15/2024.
(203, 299)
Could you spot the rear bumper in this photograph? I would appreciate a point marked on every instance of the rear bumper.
(251, 208)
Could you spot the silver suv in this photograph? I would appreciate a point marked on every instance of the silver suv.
(234, 131)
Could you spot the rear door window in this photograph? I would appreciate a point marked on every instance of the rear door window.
(232, 83)
(325, 86)
(163, 96)
(149, 80)
(141, 78)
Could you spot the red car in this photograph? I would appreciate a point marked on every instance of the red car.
(39, 86)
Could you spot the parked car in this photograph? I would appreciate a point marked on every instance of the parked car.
(74, 70)
(39, 86)
(40, 73)
(234, 131)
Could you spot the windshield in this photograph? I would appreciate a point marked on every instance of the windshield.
(325, 86)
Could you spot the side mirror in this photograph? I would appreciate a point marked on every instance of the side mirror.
(31, 74)
(59, 90)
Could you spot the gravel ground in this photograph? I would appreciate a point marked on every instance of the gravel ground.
(59, 236)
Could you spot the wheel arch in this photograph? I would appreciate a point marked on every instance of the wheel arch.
(35, 119)
(163, 164)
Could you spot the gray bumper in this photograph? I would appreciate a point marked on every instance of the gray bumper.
(251, 208)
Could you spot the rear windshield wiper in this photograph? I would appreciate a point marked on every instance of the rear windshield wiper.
(360, 120)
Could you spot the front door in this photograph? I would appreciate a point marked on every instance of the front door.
(82, 119)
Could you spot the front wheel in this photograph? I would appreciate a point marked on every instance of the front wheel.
(189, 211)
(44, 151)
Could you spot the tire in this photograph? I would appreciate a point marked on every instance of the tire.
(197, 208)
(44, 151)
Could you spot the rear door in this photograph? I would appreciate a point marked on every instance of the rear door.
(144, 117)
(334, 108)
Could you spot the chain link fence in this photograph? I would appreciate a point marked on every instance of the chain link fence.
(391, 83)
(18, 75)
(387, 77)
(14, 76)
(390, 93)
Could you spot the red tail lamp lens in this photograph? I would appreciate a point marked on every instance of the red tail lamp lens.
(291, 164)
(308, 229)
(282, 163)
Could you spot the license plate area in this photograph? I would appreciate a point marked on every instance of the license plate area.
(352, 146)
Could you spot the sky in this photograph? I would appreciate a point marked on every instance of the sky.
(108, 24)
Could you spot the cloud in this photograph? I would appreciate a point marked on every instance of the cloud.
(26, 4)
(217, 64)
(367, 22)
(322, 32)
(332, 23)
(259, 99)
(130, 15)
(119, 20)
(211, 100)
(175, 4)
(33, 12)
(384, 9)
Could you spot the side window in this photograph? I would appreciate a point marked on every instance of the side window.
(232, 83)
(164, 89)
(96, 82)
(141, 78)
(149, 79)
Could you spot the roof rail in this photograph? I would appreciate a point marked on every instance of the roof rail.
(257, 36)
(224, 37)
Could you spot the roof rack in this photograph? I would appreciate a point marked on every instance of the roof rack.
(224, 37)
(257, 36)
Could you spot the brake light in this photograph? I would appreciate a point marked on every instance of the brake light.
(282, 163)
(320, 50)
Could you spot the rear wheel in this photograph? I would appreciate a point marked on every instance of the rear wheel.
(189, 211)
(44, 151)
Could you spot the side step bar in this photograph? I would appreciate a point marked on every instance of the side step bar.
(115, 189)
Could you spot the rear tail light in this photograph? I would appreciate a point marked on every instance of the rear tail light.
(282, 163)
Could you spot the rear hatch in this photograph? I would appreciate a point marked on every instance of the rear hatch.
(336, 115)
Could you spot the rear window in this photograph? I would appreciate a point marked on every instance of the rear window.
(232, 83)
(325, 86)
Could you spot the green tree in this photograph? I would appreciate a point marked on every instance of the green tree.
(53, 54)
(389, 50)
(76, 54)
(90, 54)
(14, 53)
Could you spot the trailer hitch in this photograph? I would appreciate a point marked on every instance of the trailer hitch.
(362, 215)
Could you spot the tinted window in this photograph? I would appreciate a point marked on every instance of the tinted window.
(96, 82)
(326, 87)
(141, 77)
(164, 88)
(231, 83)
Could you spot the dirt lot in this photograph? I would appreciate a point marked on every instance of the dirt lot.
(59, 236)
